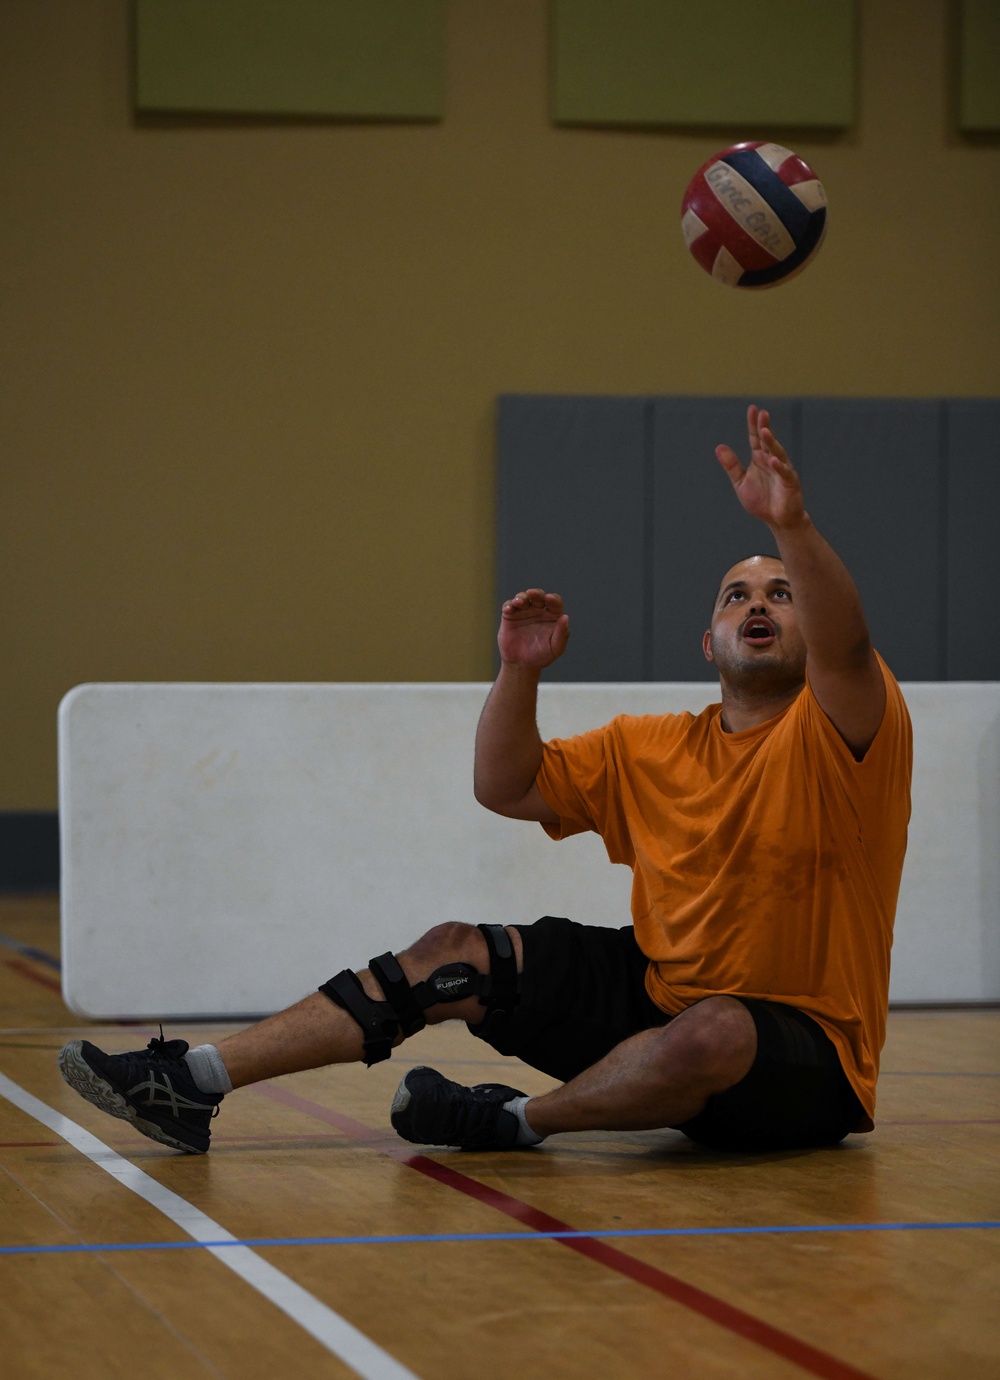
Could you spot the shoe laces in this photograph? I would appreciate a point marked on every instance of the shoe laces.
(475, 1112)
(173, 1051)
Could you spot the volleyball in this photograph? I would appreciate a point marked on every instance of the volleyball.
(754, 215)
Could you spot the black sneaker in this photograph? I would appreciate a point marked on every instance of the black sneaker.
(152, 1088)
(432, 1110)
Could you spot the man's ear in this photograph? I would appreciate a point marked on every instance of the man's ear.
(706, 646)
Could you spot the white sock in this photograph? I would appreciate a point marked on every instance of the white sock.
(525, 1135)
(207, 1069)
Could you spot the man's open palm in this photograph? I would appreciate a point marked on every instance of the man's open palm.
(768, 488)
(533, 629)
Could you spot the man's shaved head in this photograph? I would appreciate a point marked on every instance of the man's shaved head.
(747, 568)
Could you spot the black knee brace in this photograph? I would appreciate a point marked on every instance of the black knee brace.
(404, 1006)
(501, 988)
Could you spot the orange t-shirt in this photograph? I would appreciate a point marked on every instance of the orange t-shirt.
(766, 863)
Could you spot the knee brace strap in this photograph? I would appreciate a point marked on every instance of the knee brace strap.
(497, 990)
(404, 1006)
(500, 991)
(400, 996)
(376, 1019)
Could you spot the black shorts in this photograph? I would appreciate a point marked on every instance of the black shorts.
(583, 992)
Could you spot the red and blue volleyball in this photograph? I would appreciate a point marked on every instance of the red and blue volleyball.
(754, 215)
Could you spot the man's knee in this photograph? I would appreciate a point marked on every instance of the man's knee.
(454, 941)
(474, 969)
(714, 1042)
(455, 971)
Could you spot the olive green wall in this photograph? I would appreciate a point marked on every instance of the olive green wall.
(250, 369)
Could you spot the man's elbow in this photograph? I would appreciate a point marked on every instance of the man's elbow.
(490, 798)
(528, 806)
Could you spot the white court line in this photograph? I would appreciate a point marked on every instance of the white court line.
(329, 1328)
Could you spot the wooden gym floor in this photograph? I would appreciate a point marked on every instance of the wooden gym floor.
(598, 1255)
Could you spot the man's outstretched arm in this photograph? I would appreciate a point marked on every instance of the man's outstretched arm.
(533, 633)
(843, 671)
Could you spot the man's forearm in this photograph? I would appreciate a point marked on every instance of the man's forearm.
(828, 605)
(508, 746)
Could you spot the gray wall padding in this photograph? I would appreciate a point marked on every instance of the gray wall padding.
(875, 490)
(972, 637)
(572, 515)
(29, 850)
(620, 504)
(699, 528)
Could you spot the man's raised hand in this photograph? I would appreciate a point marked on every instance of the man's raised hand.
(768, 488)
(533, 629)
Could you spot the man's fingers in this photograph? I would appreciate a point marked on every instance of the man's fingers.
(772, 445)
(754, 418)
(730, 462)
(538, 598)
(525, 597)
(533, 600)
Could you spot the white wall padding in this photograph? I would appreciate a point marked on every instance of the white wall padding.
(226, 848)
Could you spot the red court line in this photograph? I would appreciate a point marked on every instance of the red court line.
(773, 1339)
(22, 968)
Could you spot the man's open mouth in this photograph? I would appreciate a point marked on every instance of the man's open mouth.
(760, 631)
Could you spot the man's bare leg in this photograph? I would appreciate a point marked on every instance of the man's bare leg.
(315, 1032)
(171, 1092)
(661, 1077)
(658, 1078)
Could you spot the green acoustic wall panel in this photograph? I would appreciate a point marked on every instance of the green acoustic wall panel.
(979, 65)
(714, 62)
(363, 59)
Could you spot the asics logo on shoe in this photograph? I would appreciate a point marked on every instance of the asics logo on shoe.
(147, 1093)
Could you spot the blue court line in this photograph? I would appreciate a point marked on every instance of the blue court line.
(29, 951)
(423, 1240)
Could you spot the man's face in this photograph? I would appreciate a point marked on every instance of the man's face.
(754, 638)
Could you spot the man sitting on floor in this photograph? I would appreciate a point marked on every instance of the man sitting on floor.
(746, 1004)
